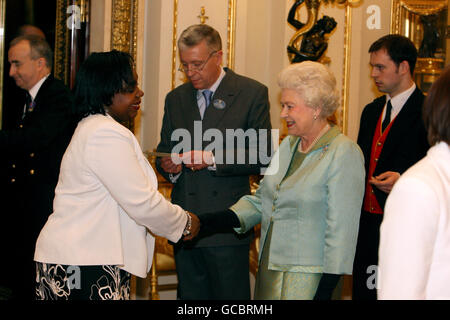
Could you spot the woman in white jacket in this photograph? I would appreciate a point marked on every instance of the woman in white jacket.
(106, 199)
(414, 254)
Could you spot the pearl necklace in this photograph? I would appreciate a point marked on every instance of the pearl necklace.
(321, 133)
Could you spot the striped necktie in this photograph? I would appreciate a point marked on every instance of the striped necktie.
(207, 94)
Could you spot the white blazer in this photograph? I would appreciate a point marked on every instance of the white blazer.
(105, 201)
(414, 255)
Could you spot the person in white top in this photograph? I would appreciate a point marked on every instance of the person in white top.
(414, 253)
(106, 199)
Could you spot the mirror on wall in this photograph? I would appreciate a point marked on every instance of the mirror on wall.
(425, 23)
(65, 24)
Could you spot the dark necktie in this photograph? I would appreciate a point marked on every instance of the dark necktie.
(28, 104)
(387, 117)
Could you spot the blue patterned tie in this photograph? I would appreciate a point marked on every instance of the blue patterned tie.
(207, 94)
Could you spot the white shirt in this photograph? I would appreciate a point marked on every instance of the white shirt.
(398, 101)
(105, 202)
(414, 253)
(201, 101)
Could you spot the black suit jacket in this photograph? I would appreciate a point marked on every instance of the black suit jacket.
(32, 149)
(405, 144)
(246, 106)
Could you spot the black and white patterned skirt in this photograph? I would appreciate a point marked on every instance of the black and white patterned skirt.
(63, 282)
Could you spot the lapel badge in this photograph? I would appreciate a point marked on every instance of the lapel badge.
(219, 104)
(30, 108)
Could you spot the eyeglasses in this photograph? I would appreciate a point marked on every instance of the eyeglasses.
(195, 67)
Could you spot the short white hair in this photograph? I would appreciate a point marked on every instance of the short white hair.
(315, 83)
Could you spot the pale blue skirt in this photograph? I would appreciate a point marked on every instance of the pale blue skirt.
(283, 285)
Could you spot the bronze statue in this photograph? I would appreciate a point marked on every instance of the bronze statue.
(313, 43)
(431, 36)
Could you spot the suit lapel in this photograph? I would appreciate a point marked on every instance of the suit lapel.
(368, 127)
(401, 125)
(41, 93)
(189, 107)
(37, 105)
(221, 102)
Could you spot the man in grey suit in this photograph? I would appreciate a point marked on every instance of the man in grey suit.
(213, 104)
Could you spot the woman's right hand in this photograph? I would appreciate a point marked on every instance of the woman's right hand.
(194, 229)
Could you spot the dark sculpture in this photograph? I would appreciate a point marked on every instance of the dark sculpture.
(431, 36)
(313, 43)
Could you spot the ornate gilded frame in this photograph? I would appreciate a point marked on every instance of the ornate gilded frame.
(2, 53)
(61, 54)
(124, 24)
(343, 119)
(405, 20)
(65, 39)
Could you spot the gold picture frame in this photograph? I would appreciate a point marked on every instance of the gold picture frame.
(61, 54)
(2, 54)
(124, 23)
(406, 18)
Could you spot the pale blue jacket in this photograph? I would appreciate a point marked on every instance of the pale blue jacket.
(315, 211)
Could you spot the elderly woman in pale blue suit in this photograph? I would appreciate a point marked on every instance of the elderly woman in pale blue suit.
(309, 203)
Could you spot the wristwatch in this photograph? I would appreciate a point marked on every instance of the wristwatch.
(187, 229)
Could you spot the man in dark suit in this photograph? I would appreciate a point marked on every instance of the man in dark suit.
(32, 145)
(215, 99)
(392, 137)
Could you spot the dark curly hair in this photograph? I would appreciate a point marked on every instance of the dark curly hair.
(100, 77)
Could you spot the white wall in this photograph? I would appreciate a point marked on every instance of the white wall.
(262, 34)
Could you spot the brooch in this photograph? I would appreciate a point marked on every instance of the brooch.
(325, 148)
(219, 104)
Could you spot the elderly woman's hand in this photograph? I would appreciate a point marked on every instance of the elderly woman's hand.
(194, 228)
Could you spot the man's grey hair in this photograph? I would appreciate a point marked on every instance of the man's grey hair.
(39, 48)
(195, 34)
